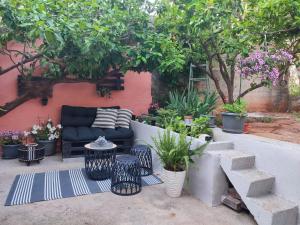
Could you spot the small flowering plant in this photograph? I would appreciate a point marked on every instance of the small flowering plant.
(45, 131)
(264, 65)
(11, 138)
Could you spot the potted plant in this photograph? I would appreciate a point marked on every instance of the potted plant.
(10, 142)
(191, 105)
(176, 155)
(234, 118)
(46, 134)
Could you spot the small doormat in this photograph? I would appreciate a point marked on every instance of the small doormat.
(35, 187)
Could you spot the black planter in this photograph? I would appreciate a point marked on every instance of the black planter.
(50, 146)
(233, 122)
(10, 151)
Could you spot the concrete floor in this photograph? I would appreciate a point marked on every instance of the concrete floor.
(151, 206)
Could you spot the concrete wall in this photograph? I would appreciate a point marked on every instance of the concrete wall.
(262, 99)
(206, 181)
(278, 158)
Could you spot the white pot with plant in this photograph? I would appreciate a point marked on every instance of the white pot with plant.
(176, 155)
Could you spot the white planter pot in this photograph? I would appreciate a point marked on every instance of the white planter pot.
(173, 182)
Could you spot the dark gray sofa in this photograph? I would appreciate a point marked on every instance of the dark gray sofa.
(77, 131)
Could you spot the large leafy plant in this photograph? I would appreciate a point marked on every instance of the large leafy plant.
(175, 152)
(190, 103)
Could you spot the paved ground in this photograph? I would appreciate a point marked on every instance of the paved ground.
(283, 127)
(151, 206)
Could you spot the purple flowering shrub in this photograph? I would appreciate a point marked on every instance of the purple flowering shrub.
(11, 137)
(264, 65)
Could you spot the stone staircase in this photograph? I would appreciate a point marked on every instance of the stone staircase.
(255, 188)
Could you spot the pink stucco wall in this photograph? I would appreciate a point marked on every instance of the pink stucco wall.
(136, 96)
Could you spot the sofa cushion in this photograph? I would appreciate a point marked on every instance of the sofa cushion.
(106, 118)
(119, 133)
(124, 118)
(92, 133)
(77, 116)
(69, 133)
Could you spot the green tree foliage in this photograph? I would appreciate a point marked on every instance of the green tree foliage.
(87, 38)
(219, 31)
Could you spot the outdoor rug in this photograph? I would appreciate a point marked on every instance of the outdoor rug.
(34, 187)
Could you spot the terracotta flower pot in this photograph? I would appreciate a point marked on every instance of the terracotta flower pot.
(173, 182)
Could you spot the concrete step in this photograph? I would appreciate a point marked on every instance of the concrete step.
(272, 210)
(236, 160)
(254, 182)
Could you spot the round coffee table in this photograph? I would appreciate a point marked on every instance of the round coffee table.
(99, 160)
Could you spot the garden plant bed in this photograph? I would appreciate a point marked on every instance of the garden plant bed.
(283, 127)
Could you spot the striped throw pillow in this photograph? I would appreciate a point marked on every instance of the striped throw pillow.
(106, 118)
(124, 118)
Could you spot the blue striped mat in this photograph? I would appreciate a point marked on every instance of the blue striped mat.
(35, 187)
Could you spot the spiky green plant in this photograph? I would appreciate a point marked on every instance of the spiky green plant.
(189, 103)
(175, 152)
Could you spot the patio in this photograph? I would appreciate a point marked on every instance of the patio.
(151, 206)
(144, 112)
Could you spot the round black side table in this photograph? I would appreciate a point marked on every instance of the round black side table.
(126, 176)
(143, 153)
(99, 161)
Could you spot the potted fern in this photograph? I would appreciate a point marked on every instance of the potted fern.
(234, 117)
(176, 155)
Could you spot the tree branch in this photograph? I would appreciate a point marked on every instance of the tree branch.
(2, 72)
(253, 87)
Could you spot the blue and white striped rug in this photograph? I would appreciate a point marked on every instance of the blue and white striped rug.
(34, 187)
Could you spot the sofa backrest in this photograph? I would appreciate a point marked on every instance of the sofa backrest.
(76, 116)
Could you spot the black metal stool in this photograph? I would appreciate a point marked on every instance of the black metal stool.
(143, 152)
(126, 175)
